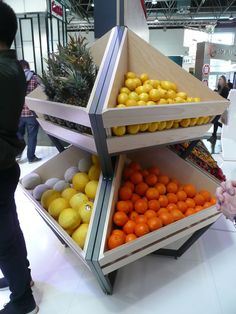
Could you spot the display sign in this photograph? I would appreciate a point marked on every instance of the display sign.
(206, 69)
(57, 9)
(222, 52)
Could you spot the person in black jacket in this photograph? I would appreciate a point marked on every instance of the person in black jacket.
(222, 90)
(13, 254)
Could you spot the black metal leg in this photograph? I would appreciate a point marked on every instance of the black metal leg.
(188, 151)
(57, 143)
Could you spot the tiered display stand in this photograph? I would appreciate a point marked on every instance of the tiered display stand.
(115, 54)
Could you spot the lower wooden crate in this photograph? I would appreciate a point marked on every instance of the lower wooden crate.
(175, 167)
(56, 167)
(125, 143)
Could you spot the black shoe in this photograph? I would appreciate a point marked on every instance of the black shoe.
(10, 308)
(35, 159)
(4, 284)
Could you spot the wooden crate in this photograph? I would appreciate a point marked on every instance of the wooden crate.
(56, 167)
(138, 56)
(38, 102)
(173, 166)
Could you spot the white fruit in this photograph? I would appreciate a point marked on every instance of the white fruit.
(31, 180)
(51, 182)
(61, 185)
(69, 173)
(39, 190)
(84, 164)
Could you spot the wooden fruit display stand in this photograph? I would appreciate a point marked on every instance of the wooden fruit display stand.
(124, 52)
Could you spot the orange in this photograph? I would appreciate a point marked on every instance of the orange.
(177, 214)
(162, 210)
(130, 185)
(131, 205)
(141, 188)
(120, 218)
(181, 188)
(141, 206)
(189, 212)
(152, 194)
(190, 203)
(161, 188)
(154, 170)
(129, 226)
(206, 195)
(119, 232)
(213, 201)
(135, 197)
(114, 241)
(172, 198)
(190, 190)
(150, 213)
(125, 193)
(175, 181)
(151, 179)
(154, 223)
(164, 179)
(136, 177)
(154, 205)
(172, 187)
(123, 206)
(171, 207)
(182, 196)
(133, 215)
(166, 218)
(141, 229)
(135, 166)
(182, 206)
(198, 208)
(127, 173)
(207, 205)
(130, 237)
(163, 200)
(199, 199)
(145, 173)
(140, 219)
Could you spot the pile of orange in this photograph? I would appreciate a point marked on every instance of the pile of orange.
(149, 200)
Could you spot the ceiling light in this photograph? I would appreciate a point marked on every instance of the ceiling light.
(92, 4)
(154, 1)
(67, 10)
(156, 20)
(231, 17)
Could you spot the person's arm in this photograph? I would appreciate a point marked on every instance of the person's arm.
(225, 92)
(226, 199)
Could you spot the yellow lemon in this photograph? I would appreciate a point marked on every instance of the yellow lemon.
(196, 99)
(144, 77)
(147, 88)
(174, 86)
(163, 93)
(179, 100)
(134, 96)
(144, 127)
(152, 127)
(85, 212)
(185, 123)
(49, 196)
(163, 101)
(182, 95)
(91, 189)
(124, 90)
(139, 90)
(175, 125)
(69, 218)
(156, 83)
(161, 125)
(130, 84)
(133, 129)
(200, 120)
(171, 94)
(77, 200)
(189, 99)
(141, 103)
(206, 120)
(121, 106)
(79, 181)
(166, 85)
(144, 97)
(95, 160)
(122, 98)
(138, 82)
(94, 172)
(80, 234)
(193, 121)
(130, 75)
(119, 130)
(170, 101)
(151, 103)
(169, 124)
(68, 193)
(155, 94)
(57, 206)
(131, 103)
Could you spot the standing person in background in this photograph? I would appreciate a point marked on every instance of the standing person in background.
(28, 119)
(230, 85)
(222, 90)
(13, 253)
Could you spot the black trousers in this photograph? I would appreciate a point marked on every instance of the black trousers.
(217, 124)
(13, 254)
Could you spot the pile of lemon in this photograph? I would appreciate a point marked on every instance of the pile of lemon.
(141, 91)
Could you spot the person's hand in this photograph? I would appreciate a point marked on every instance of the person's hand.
(226, 199)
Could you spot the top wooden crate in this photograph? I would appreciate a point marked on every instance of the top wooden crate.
(138, 56)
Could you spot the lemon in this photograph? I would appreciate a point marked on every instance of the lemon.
(166, 85)
(133, 129)
(193, 121)
(175, 125)
(147, 88)
(130, 84)
(69, 218)
(70, 231)
(130, 75)
(151, 103)
(189, 99)
(91, 189)
(161, 125)
(131, 103)
(119, 130)
(171, 94)
(156, 83)
(122, 98)
(134, 96)
(196, 99)
(121, 106)
(141, 103)
(144, 97)
(162, 101)
(139, 90)
(80, 234)
(49, 196)
(94, 172)
(177, 121)
(57, 206)
(154, 94)
(179, 100)
(152, 127)
(169, 124)
(182, 95)
(170, 101)
(185, 123)
(144, 77)
(144, 127)
(200, 120)
(95, 160)
(68, 193)
(77, 200)
(163, 93)
(79, 181)
(174, 86)
(138, 82)
(85, 212)
(206, 120)
(124, 90)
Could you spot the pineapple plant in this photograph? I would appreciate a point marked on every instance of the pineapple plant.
(70, 77)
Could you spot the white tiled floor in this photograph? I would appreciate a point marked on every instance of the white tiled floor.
(202, 281)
